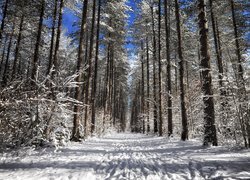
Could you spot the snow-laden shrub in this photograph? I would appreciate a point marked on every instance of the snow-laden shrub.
(40, 116)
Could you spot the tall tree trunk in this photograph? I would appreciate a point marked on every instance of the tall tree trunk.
(217, 47)
(184, 134)
(217, 50)
(89, 75)
(142, 87)
(3, 53)
(237, 44)
(106, 84)
(113, 94)
(159, 70)
(55, 63)
(94, 82)
(3, 19)
(76, 122)
(58, 37)
(218, 38)
(86, 53)
(154, 72)
(17, 47)
(176, 73)
(209, 116)
(38, 41)
(169, 84)
(148, 76)
(52, 38)
(111, 84)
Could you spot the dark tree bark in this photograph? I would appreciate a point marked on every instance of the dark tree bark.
(94, 82)
(216, 35)
(3, 52)
(237, 44)
(154, 72)
(114, 87)
(106, 83)
(210, 136)
(217, 50)
(89, 73)
(159, 70)
(184, 135)
(111, 85)
(38, 41)
(169, 84)
(148, 76)
(17, 47)
(142, 87)
(58, 37)
(76, 122)
(52, 38)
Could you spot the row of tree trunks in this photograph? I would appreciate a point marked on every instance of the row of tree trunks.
(85, 95)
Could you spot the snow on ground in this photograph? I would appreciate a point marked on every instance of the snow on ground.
(128, 156)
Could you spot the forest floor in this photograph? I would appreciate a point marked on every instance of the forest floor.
(127, 156)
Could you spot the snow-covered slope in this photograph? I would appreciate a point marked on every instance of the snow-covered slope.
(128, 156)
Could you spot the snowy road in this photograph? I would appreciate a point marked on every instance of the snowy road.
(128, 156)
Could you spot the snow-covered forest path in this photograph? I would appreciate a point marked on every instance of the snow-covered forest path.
(128, 156)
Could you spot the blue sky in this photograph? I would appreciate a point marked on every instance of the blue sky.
(131, 3)
(69, 19)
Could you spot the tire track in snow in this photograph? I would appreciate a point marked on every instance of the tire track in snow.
(131, 157)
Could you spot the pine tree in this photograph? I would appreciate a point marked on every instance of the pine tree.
(184, 135)
(76, 131)
(169, 85)
(209, 116)
(38, 41)
(159, 70)
(94, 82)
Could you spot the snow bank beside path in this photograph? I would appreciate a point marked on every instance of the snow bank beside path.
(128, 156)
